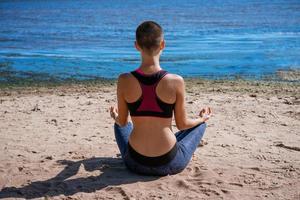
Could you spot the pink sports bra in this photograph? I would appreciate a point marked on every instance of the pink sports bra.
(149, 104)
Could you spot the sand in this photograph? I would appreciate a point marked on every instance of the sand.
(58, 143)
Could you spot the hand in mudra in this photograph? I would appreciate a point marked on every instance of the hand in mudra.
(205, 113)
(113, 112)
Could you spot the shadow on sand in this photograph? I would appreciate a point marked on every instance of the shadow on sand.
(113, 173)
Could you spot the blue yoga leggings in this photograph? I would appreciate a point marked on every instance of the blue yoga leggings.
(187, 142)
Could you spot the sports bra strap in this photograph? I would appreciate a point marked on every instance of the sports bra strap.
(149, 79)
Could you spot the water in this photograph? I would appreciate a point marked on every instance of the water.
(91, 39)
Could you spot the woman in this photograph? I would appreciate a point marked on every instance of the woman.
(150, 95)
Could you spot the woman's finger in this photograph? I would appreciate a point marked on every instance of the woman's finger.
(201, 112)
(205, 111)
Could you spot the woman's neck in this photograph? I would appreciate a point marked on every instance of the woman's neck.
(150, 64)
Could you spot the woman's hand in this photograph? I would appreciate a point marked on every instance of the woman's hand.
(205, 113)
(114, 112)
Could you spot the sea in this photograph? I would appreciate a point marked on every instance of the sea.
(92, 39)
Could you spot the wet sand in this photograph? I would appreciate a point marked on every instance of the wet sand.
(58, 143)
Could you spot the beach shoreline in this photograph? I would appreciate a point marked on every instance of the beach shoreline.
(58, 143)
(207, 85)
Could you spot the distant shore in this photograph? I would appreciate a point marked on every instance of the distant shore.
(244, 86)
(9, 80)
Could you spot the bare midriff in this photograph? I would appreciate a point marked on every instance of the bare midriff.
(152, 136)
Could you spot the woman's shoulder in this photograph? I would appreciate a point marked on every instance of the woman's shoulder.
(125, 76)
(175, 78)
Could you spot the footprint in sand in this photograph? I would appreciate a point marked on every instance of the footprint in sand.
(119, 190)
(182, 184)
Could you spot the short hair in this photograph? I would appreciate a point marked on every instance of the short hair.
(149, 34)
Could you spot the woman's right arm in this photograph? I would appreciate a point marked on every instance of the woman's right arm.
(182, 122)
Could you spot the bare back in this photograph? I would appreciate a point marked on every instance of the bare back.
(151, 136)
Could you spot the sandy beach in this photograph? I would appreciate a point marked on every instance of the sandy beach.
(58, 143)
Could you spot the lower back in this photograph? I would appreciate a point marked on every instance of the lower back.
(152, 136)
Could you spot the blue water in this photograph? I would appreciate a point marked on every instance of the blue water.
(90, 39)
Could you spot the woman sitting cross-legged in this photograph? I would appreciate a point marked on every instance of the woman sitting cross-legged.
(151, 95)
